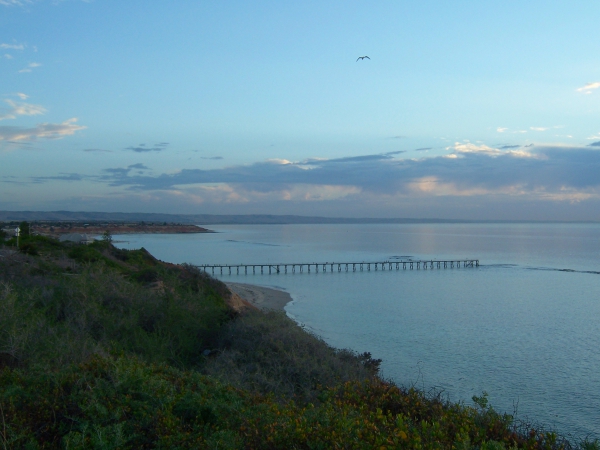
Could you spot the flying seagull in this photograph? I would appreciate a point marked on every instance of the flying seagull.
(362, 57)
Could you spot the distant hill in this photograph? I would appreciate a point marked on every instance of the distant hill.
(198, 219)
(216, 219)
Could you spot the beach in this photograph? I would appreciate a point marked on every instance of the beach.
(261, 297)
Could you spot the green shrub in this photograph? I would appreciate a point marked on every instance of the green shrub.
(123, 402)
(85, 253)
(99, 311)
(28, 248)
(116, 403)
(269, 353)
(146, 275)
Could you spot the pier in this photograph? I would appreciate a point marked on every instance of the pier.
(262, 269)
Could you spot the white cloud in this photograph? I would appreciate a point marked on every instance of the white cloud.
(14, 2)
(501, 129)
(22, 96)
(538, 128)
(278, 161)
(473, 148)
(7, 56)
(432, 185)
(40, 131)
(13, 46)
(22, 109)
(489, 151)
(30, 66)
(225, 193)
(587, 89)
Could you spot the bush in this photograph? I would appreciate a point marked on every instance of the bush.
(97, 312)
(269, 353)
(85, 253)
(28, 248)
(116, 403)
(126, 403)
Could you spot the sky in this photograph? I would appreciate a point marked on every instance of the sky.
(463, 110)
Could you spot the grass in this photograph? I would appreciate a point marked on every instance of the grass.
(109, 348)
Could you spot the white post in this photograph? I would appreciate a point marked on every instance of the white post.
(18, 231)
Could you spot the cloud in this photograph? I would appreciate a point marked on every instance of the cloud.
(61, 177)
(587, 89)
(138, 166)
(97, 150)
(40, 131)
(12, 46)
(141, 148)
(501, 129)
(422, 149)
(478, 181)
(538, 128)
(397, 137)
(22, 96)
(541, 173)
(121, 173)
(21, 109)
(355, 159)
(508, 147)
(462, 149)
(212, 157)
(29, 67)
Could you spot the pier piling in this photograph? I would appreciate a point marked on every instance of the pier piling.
(346, 266)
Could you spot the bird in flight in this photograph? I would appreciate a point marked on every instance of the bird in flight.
(362, 57)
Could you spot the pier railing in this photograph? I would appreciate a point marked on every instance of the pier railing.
(260, 269)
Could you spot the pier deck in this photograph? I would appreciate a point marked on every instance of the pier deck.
(260, 269)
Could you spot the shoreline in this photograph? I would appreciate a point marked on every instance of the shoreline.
(261, 297)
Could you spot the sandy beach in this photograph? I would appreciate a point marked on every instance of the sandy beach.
(262, 297)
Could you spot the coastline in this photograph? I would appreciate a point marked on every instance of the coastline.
(56, 230)
(261, 297)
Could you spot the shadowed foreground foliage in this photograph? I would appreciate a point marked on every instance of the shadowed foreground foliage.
(107, 348)
(123, 402)
(269, 354)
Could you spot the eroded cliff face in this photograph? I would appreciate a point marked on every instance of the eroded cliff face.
(238, 304)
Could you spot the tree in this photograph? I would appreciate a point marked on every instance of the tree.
(107, 237)
(24, 227)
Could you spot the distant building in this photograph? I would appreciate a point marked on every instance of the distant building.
(10, 231)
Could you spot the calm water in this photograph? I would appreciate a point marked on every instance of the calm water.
(520, 327)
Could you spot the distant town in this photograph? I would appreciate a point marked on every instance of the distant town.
(57, 229)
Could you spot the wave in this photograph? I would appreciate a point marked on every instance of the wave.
(552, 269)
(256, 243)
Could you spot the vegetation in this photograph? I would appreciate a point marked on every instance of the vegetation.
(108, 348)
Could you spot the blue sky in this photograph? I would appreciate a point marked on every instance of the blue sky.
(465, 109)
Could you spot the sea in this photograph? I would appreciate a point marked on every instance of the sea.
(524, 326)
